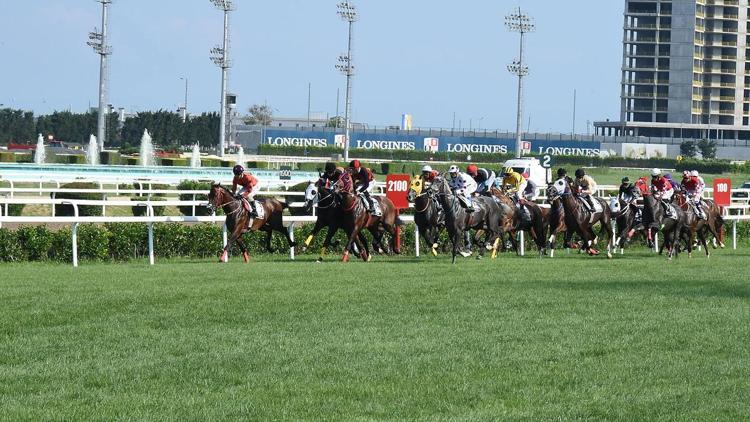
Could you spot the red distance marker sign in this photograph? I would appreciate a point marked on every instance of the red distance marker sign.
(723, 192)
(396, 189)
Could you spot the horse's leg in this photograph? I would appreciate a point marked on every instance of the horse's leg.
(327, 242)
(243, 248)
(269, 236)
(363, 246)
(318, 227)
(607, 227)
(236, 234)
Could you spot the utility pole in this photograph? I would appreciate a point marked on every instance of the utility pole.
(518, 22)
(98, 41)
(220, 57)
(184, 105)
(348, 13)
(574, 113)
(309, 102)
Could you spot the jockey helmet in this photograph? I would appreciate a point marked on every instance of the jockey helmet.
(355, 164)
(507, 171)
(626, 179)
(453, 170)
(426, 169)
(472, 169)
(238, 169)
(686, 174)
(580, 173)
(561, 172)
(655, 172)
(330, 167)
(695, 173)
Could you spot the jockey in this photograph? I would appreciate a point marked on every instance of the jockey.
(463, 186)
(514, 183)
(662, 189)
(626, 190)
(642, 185)
(248, 183)
(563, 174)
(584, 186)
(330, 176)
(485, 178)
(694, 190)
(361, 178)
(429, 175)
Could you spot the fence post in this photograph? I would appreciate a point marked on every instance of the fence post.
(54, 194)
(224, 235)
(416, 239)
(193, 205)
(74, 240)
(291, 236)
(734, 235)
(150, 212)
(656, 242)
(12, 188)
(104, 205)
(398, 231)
(522, 246)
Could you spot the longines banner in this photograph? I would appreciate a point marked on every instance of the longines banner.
(455, 144)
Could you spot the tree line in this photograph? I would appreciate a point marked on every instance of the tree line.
(166, 128)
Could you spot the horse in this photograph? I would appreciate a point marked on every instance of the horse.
(629, 217)
(516, 222)
(324, 200)
(427, 212)
(356, 218)
(580, 219)
(486, 217)
(654, 219)
(556, 222)
(713, 222)
(239, 222)
(697, 227)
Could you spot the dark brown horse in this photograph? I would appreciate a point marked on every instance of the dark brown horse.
(700, 227)
(239, 222)
(355, 218)
(427, 213)
(516, 222)
(655, 219)
(579, 218)
(555, 219)
(628, 217)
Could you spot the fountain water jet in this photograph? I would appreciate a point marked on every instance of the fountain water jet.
(40, 155)
(92, 154)
(241, 156)
(195, 160)
(147, 150)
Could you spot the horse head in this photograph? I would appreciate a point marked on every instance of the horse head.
(311, 197)
(557, 189)
(415, 188)
(215, 196)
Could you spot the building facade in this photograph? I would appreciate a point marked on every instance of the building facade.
(685, 69)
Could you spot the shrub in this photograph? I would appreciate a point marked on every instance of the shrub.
(36, 242)
(10, 247)
(688, 149)
(127, 241)
(93, 242)
(194, 185)
(83, 210)
(142, 210)
(707, 149)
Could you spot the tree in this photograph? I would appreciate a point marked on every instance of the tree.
(261, 115)
(16, 126)
(688, 149)
(335, 121)
(707, 148)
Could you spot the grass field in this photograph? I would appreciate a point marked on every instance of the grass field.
(518, 338)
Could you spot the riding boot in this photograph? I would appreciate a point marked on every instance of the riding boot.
(589, 202)
(370, 203)
(253, 211)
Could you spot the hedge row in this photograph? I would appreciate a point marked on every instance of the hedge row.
(124, 242)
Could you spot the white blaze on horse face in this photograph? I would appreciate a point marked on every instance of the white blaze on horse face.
(614, 205)
(560, 186)
(310, 192)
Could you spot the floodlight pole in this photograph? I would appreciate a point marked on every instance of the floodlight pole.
(98, 41)
(348, 12)
(518, 22)
(220, 56)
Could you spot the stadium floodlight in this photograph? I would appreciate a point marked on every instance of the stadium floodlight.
(98, 41)
(523, 24)
(220, 57)
(348, 13)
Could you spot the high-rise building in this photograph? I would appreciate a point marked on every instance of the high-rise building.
(685, 69)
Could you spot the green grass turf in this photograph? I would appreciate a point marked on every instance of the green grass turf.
(633, 338)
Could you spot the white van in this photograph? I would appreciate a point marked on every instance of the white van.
(530, 168)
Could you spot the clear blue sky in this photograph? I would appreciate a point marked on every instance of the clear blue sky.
(430, 58)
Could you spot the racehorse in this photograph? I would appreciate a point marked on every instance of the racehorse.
(579, 218)
(629, 217)
(239, 222)
(556, 222)
(486, 217)
(534, 226)
(324, 200)
(654, 219)
(427, 213)
(355, 218)
(713, 222)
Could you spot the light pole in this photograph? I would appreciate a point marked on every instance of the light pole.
(98, 41)
(220, 57)
(518, 22)
(184, 105)
(348, 12)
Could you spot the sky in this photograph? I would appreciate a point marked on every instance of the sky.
(428, 58)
